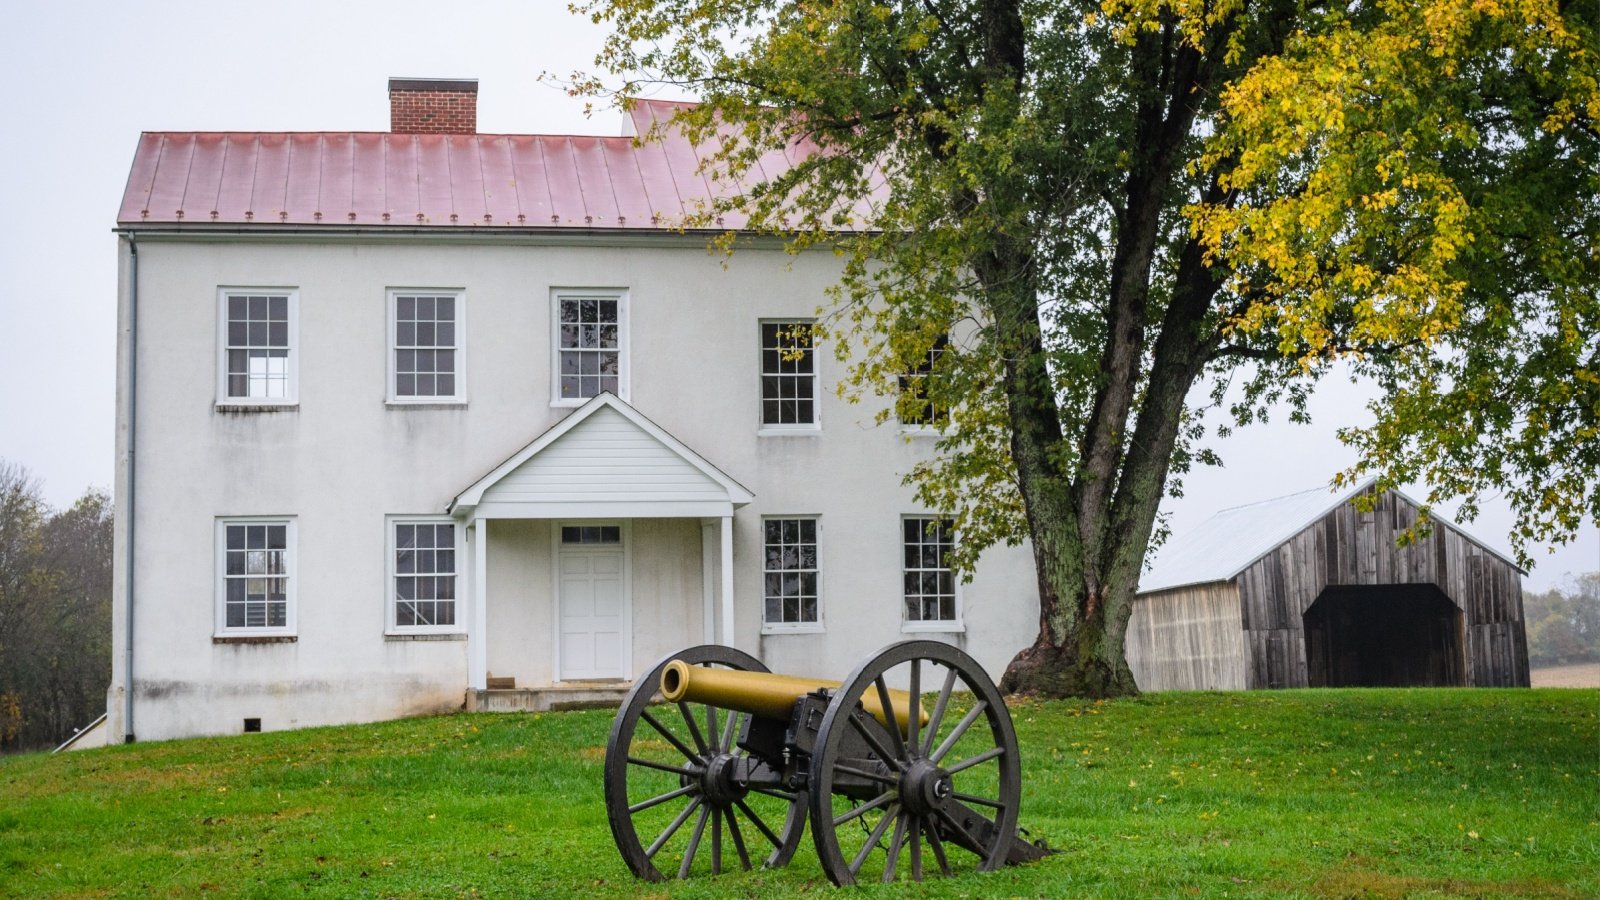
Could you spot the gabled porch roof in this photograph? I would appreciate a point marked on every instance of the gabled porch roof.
(605, 460)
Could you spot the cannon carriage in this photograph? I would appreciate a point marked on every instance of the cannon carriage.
(714, 763)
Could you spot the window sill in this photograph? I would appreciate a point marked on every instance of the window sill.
(921, 431)
(808, 628)
(788, 431)
(435, 403)
(932, 628)
(234, 406)
(254, 638)
(425, 636)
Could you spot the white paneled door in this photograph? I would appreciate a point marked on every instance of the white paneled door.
(593, 599)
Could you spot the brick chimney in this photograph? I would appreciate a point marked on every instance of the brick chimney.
(433, 105)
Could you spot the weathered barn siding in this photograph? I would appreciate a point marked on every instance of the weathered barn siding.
(1187, 639)
(1350, 547)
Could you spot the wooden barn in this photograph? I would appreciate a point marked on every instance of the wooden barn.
(1308, 591)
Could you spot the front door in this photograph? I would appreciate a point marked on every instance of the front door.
(593, 598)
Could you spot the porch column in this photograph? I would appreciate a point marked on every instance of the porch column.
(477, 635)
(708, 581)
(727, 580)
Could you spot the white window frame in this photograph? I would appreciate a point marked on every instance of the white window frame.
(290, 627)
(624, 316)
(459, 398)
(789, 428)
(926, 626)
(292, 386)
(935, 426)
(816, 627)
(391, 624)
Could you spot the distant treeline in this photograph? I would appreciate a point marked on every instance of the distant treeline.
(55, 612)
(1564, 623)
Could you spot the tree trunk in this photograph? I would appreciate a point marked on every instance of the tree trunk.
(1086, 590)
(1089, 663)
(1090, 519)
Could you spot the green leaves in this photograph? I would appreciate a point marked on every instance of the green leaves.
(1417, 189)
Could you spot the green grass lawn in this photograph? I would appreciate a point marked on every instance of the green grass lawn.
(1348, 793)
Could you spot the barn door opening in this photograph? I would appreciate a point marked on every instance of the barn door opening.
(1394, 635)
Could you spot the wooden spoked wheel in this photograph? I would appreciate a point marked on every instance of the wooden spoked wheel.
(937, 795)
(677, 786)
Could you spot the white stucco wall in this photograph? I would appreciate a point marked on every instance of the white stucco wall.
(667, 601)
(521, 609)
(343, 459)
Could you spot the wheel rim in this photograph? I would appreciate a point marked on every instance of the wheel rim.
(941, 797)
(672, 796)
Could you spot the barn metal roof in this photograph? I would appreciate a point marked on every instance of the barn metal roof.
(1232, 539)
(432, 181)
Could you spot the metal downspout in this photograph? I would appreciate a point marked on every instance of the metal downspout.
(133, 419)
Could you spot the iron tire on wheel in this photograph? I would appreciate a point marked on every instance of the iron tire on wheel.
(925, 791)
(686, 731)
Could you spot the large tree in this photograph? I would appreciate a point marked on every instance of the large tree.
(1104, 207)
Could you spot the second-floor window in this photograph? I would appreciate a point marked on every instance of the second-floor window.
(918, 404)
(426, 334)
(258, 353)
(788, 376)
(590, 337)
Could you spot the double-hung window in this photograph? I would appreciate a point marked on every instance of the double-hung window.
(255, 577)
(919, 405)
(591, 352)
(789, 574)
(788, 377)
(258, 362)
(931, 602)
(427, 356)
(423, 554)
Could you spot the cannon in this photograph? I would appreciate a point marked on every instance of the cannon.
(907, 767)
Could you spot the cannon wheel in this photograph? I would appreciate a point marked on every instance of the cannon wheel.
(662, 768)
(944, 793)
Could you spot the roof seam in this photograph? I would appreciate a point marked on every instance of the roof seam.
(549, 190)
(150, 187)
(222, 174)
(183, 196)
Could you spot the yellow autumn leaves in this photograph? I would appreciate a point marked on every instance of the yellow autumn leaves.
(1331, 151)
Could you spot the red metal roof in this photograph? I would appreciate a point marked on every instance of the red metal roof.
(427, 180)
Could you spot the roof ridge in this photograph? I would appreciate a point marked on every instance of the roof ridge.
(1329, 490)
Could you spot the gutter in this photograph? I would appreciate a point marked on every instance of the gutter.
(133, 421)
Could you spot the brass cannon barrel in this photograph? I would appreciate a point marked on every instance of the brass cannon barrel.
(766, 694)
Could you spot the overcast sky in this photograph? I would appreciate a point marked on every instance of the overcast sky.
(83, 79)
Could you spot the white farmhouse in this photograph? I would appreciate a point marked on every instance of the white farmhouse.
(426, 418)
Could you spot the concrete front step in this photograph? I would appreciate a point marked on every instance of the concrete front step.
(568, 695)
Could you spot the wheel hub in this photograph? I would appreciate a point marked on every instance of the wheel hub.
(924, 787)
(720, 782)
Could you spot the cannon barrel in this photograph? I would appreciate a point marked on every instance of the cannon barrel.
(766, 694)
